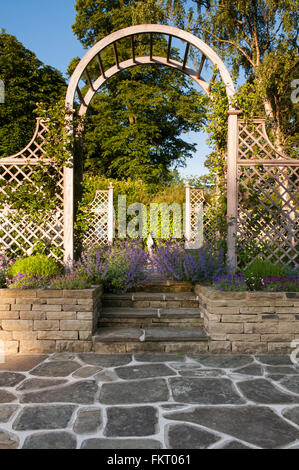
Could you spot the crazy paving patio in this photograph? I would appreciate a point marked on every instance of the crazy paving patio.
(149, 401)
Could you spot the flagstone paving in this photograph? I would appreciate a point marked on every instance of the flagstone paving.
(149, 401)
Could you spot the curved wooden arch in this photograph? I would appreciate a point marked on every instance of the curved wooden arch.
(170, 31)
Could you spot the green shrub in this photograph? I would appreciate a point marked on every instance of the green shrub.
(260, 269)
(37, 265)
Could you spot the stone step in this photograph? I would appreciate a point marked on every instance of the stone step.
(141, 318)
(150, 339)
(165, 286)
(152, 300)
(127, 312)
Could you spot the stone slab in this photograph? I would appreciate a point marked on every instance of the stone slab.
(107, 334)
(276, 360)
(292, 414)
(175, 334)
(6, 412)
(39, 384)
(184, 436)
(52, 440)
(55, 369)
(6, 397)
(225, 361)
(80, 392)
(43, 417)
(259, 426)
(145, 391)
(235, 445)
(10, 379)
(263, 391)
(144, 371)
(88, 421)
(146, 357)
(204, 390)
(291, 383)
(129, 422)
(86, 371)
(106, 360)
(121, 444)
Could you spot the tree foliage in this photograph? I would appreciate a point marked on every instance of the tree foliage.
(258, 39)
(135, 124)
(27, 81)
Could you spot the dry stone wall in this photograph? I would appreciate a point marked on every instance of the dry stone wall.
(46, 321)
(249, 322)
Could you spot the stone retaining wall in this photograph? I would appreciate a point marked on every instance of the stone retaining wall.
(249, 322)
(47, 321)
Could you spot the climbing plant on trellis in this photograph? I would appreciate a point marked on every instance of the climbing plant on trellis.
(20, 231)
(268, 199)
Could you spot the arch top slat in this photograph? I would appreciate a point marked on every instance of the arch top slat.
(171, 32)
(139, 61)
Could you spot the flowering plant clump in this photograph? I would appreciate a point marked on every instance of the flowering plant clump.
(71, 280)
(5, 263)
(230, 282)
(119, 267)
(174, 262)
(280, 284)
(28, 281)
(260, 269)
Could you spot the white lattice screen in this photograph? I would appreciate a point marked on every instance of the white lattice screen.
(268, 205)
(204, 225)
(19, 232)
(97, 221)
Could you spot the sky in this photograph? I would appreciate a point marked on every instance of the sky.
(45, 27)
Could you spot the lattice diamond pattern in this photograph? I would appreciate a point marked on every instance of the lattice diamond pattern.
(97, 218)
(268, 199)
(254, 143)
(210, 226)
(19, 233)
(268, 215)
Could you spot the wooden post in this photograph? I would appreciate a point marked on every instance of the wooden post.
(232, 189)
(188, 214)
(68, 210)
(110, 215)
(68, 198)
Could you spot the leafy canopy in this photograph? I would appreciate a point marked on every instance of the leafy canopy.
(27, 81)
(136, 122)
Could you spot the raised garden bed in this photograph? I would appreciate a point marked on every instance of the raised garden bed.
(249, 322)
(45, 321)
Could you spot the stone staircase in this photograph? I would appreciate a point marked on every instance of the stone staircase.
(156, 317)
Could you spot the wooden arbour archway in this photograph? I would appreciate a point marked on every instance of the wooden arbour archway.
(207, 56)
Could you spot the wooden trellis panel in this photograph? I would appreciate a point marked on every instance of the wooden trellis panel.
(97, 220)
(19, 233)
(268, 199)
(204, 227)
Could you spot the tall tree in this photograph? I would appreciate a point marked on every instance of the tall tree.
(27, 81)
(256, 37)
(135, 124)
